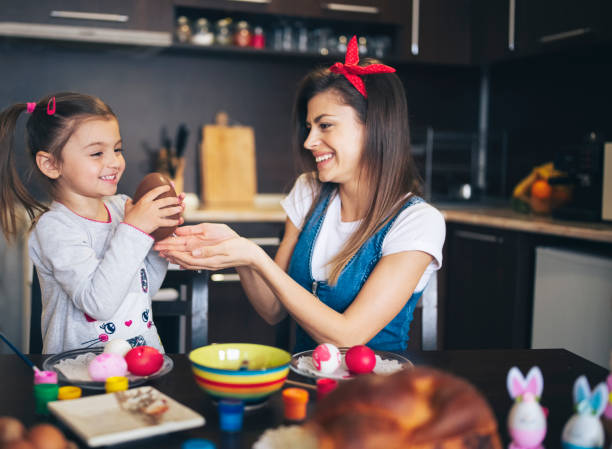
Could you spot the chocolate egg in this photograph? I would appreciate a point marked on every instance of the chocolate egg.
(149, 182)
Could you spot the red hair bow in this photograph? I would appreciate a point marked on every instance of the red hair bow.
(354, 72)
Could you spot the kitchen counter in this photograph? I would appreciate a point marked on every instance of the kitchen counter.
(266, 208)
(506, 218)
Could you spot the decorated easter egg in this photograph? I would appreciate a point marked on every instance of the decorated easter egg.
(107, 365)
(118, 346)
(326, 358)
(149, 182)
(360, 359)
(144, 360)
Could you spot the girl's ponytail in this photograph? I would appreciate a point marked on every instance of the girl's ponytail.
(13, 193)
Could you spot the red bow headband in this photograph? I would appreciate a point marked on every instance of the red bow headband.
(354, 72)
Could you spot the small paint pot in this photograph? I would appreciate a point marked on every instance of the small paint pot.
(231, 412)
(116, 383)
(43, 394)
(295, 400)
(69, 392)
(45, 377)
(198, 443)
(325, 386)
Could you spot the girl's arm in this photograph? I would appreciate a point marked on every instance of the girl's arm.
(97, 286)
(386, 291)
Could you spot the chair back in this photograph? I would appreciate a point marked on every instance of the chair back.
(35, 316)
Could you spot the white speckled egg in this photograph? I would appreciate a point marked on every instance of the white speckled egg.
(326, 358)
(117, 346)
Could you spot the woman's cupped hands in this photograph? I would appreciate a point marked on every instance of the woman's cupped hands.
(206, 246)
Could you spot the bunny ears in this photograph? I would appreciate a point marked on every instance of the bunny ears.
(587, 402)
(523, 388)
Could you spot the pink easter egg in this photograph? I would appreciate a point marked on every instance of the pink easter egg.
(107, 365)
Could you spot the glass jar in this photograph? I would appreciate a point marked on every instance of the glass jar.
(203, 35)
(242, 36)
(224, 36)
(259, 38)
(183, 30)
(363, 46)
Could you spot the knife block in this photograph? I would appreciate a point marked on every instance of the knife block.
(228, 165)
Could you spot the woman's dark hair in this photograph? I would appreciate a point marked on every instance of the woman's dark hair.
(387, 164)
(45, 131)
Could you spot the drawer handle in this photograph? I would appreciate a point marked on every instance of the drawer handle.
(253, 1)
(265, 241)
(350, 8)
(414, 47)
(564, 35)
(218, 277)
(511, 20)
(121, 18)
(469, 235)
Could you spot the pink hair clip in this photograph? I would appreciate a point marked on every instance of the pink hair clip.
(51, 109)
(30, 107)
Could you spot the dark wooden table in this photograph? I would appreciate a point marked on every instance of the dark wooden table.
(485, 369)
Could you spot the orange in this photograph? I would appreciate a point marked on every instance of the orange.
(541, 189)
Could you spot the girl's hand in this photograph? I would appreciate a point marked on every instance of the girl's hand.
(148, 214)
(188, 238)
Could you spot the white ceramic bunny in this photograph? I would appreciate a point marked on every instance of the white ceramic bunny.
(584, 429)
(527, 419)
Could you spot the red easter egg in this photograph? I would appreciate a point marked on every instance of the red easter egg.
(149, 182)
(144, 360)
(360, 359)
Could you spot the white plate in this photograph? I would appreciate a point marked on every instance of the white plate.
(107, 419)
(50, 364)
(386, 363)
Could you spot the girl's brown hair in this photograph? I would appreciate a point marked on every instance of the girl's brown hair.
(44, 132)
(387, 164)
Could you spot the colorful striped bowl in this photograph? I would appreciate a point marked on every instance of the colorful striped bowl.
(244, 371)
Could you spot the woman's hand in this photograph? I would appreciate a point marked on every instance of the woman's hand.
(149, 213)
(188, 238)
(232, 252)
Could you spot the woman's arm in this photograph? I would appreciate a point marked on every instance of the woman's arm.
(271, 289)
(382, 297)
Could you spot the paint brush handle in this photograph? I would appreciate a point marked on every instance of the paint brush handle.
(18, 352)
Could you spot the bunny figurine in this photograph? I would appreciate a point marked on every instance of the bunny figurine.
(527, 419)
(584, 429)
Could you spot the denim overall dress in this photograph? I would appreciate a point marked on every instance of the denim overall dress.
(394, 336)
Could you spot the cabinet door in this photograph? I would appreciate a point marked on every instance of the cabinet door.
(151, 15)
(435, 31)
(232, 318)
(487, 302)
(551, 24)
(491, 38)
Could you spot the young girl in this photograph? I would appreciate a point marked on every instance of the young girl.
(91, 247)
(359, 245)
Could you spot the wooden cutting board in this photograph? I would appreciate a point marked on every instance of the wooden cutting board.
(228, 165)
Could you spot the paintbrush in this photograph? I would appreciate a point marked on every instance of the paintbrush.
(19, 353)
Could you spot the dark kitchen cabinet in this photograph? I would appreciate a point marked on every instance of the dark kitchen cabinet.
(150, 15)
(487, 280)
(505, 29)
(231, 317)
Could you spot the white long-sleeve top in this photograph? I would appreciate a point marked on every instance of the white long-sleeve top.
(97, 279)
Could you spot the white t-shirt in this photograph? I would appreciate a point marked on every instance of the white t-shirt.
(418, 227)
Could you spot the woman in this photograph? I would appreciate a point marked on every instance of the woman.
(359, 244)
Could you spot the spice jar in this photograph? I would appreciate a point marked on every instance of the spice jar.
(259, 39)
(202, 35)
(223, 35)
(242, 36)
(183, 31)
